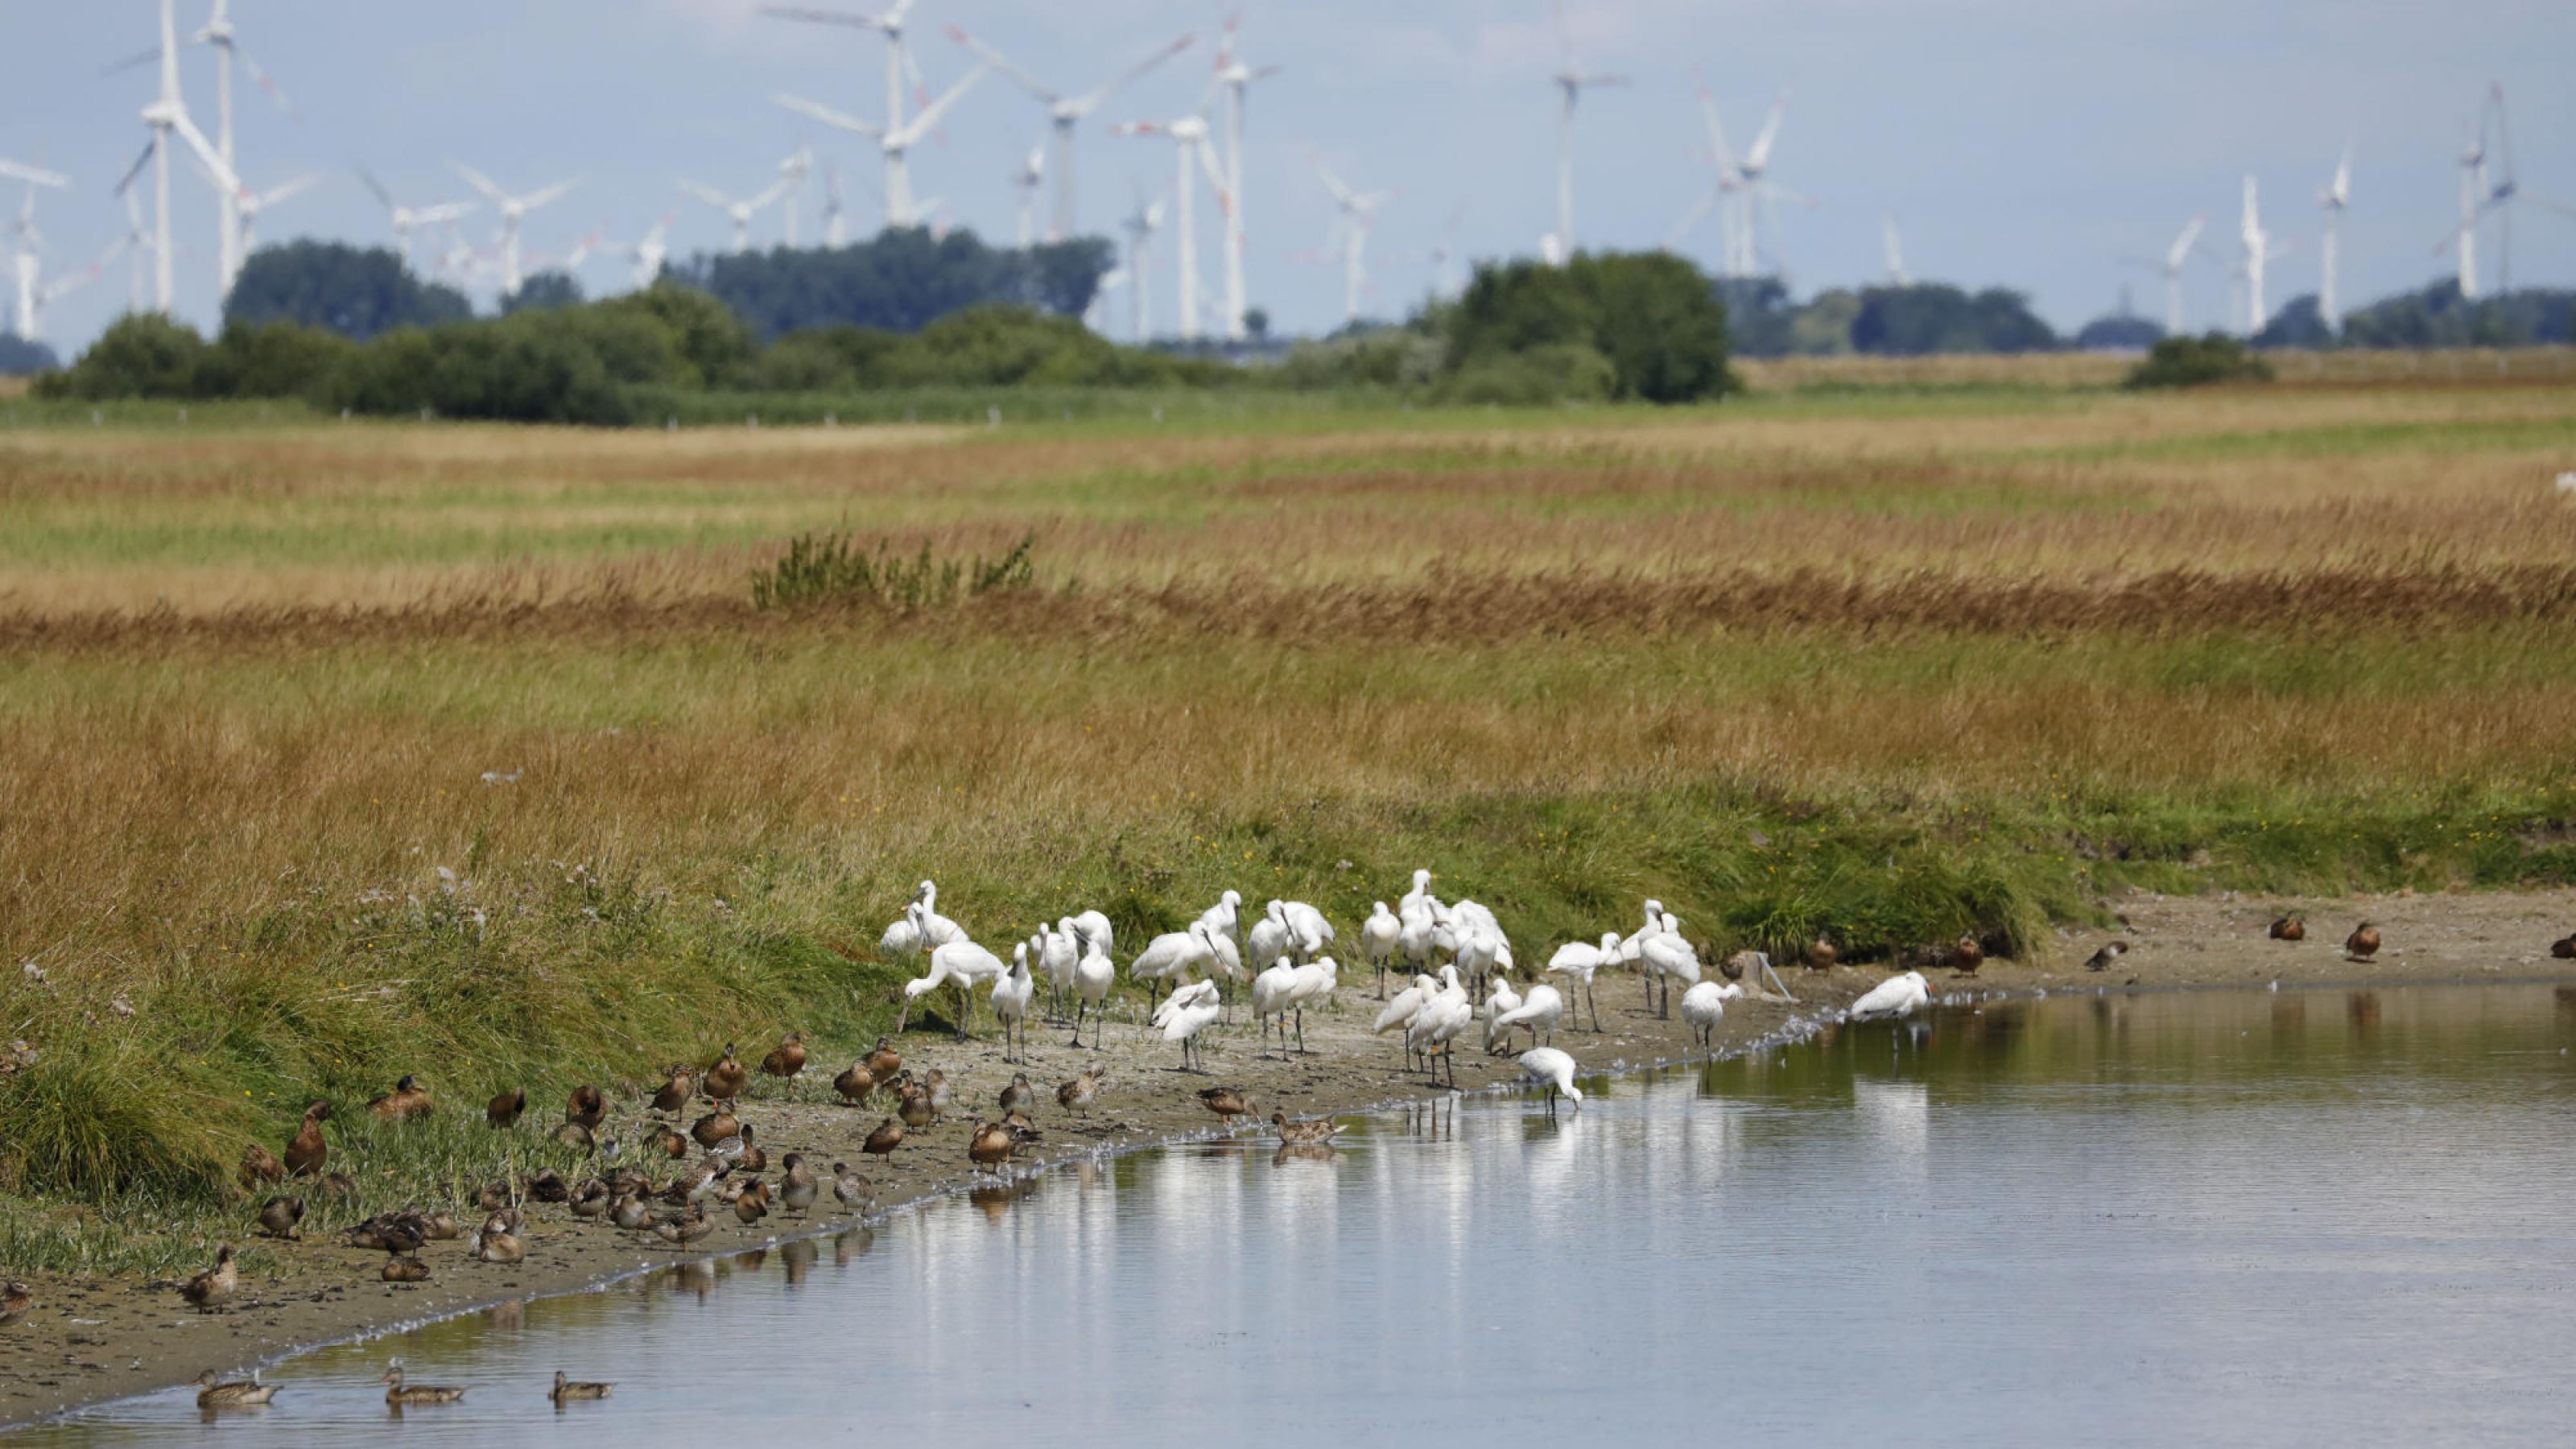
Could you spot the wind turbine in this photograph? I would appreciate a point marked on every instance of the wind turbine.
(2170, 266)
(896, 143)
(2334, 199)
(1193, 153)
(218, 34)
(792, 175)
(2261, 247)
(1140, 226)
(1357, 210)
(1236, 75)
(138, 238)
(253, 204)
(650, 253)
(742, 210)
(1895, 245)
(1571, 82)
(1758, 196)
(1722, 195)
(27, 244)
(2480, 199)
(513, 210)
(1029, 178)
(406, 218)
(836, 221)
(887, 23)
(1064, 112)
(168, 115)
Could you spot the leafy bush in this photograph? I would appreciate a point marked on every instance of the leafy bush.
(20, 357)
(519, 370)
(1654, 318)
(901, 280)
(357, 292)
(1556, 372)
(270, 360)
(713, 344)
(2197, 362)
(1929, 318)
(141, 355)
(828, 568)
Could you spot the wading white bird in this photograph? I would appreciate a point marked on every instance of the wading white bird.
(1398, 1014)
(1896, 996)
(1182, 998)
(1554, 1070)
(1269, 938)
(1058, 951)
(1502, 999)
(1183, 1021)
(1380, 935)
(1419, 898)
(1538, 1014)
(1310, 984)
(1096, 926)
(1226, 916)
(1476, 953)
(1576, 961)
(1703, 1007)
(1473, 913)
(961, 964)
(1308, 928)
(1668, 958)
(1013, 994)
(1440, 1021)
(1270, 993)
(1633, 949)
(1093, 974)
(1170, 958)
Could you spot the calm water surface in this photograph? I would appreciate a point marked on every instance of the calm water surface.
(2248, 1218)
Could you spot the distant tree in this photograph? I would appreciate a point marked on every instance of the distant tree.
(712, 343)
(2438, 316)
(1256, 323)
(901, 281)
(140, 355)
(20, 357)
(1760, 318)
(272, 359)
(2198, 362)
(1652, 316)
(2120, 332)
(2298, 324)
(1934, 317)
(1823, 328)
(546, 291)
(356, 292)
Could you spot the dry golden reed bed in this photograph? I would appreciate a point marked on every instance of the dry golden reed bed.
(1890, 665)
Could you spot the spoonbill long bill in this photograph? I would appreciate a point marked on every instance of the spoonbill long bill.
(1896, 996)
(1547, 1067)
(1576, 961)
(961, 964)
(1538, 1014)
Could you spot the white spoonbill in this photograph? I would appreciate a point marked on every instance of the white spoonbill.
(1896, 996)
(936, 930)
(1474, 913)
(1226, 916)
(1013, 994)
(1668, 956)
(1576, 961)
(1419, 898)
(1380, 935)
(1183, 997)
(1183, 1023)
(1537, 1014)
(1441, 1020)
(1417, 937)
(1308, 928)
(961, 964)
(1270, 993)
(1093, 974)
(1269, 937)
(1059, 950)
(1096, 926)
(1171, 956)
(1633, 949)
(1498, 1001)
(1312, 982)
(1703, 1007)
(1554, 1070)
(1398, 1014)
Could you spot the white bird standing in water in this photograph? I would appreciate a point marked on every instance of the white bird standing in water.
(1093, 975)
(1537, 1014)
(1380, 937)
(1441, 1020)
(1576, 961)
(1013, 994)
(1703, 1007)
(1553, 1069)
(1896, 996)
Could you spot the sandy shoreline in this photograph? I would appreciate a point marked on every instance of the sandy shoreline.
(88, 1341)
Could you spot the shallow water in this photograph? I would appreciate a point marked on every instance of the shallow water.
(2204, 1217)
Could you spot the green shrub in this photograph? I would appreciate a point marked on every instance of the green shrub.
(714, 346)
(2198, 362)
(829, 568)
(1556, 372)
(1653, 318)
(142, 355)
(271, 360)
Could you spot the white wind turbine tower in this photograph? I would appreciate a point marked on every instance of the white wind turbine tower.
(2334, 199)
(137, 245)
(1356, 212)
(218, 34)
(1570, 85)
(513, 210)
(792, 176)
(1757, 197)
(836, 220)
(742, 210)
(1064, 112)
(2480, 198)
(2170, 265)
(1895, 244)
(26, 261)
(1236, 75)
(2261, 247)
(896, 143)
(168, 115)
(406, 219)
(1722, 194)
(1193, 153)
(1140, 226)
(1028, 179)
(650, 253)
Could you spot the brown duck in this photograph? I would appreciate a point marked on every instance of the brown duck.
(260, 1165)
(631, 1212)
(504, 1110)
(590, 1200)
(856, 1084)
(16, 1298)
(208, 1290)
(669, 1140)
(1227, 1102)
(2564, 948)
(752, 1204)
(548, 1186)
(681, 1232)
(574, 1137)
(1019, 1096)
(786, 1059)
(247, 1393)
(884, 1062)
(2289, 928)
(717, 1125)
(851, 1190)
(726, 1078)
(404, 1268)
(1078, 1094)
(586, 1108)
(279, 1215)
(1966, 956)
(2108, 957)
(915, 1108)
(408, 1100)
(935, 1082)
(1312, 1130)
(306, 1153)
(992, 1145)
(882, 1142)
(568, 1391)
(2363, 943)
(400, 1393)
(1821, 955)
(498, 1247)
(798, 1188)
(681, 1085)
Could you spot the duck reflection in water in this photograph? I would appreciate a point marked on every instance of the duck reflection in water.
(796, 1258)
(1303, 1152)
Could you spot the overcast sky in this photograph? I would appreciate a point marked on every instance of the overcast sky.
(2029, 143)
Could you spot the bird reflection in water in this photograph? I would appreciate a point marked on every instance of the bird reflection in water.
(1303, 1152)
(511, 1316)
(852, 1244)
(796, 1258)
(697, 1276)
(996, 1198)
(751, 1261)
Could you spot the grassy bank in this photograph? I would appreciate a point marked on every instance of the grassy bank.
(338, 753)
